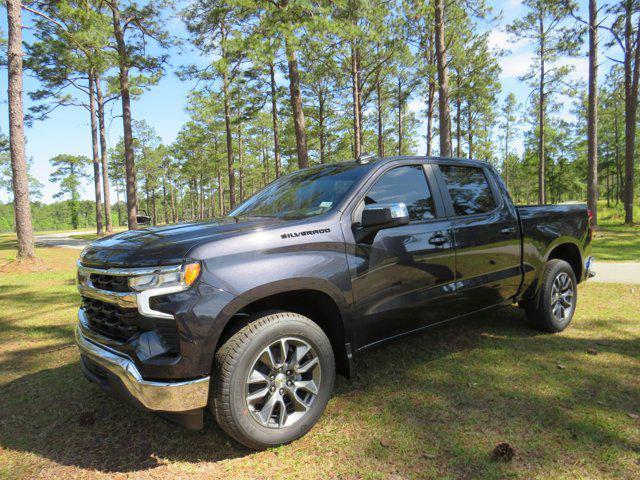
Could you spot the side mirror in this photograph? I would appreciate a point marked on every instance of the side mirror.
(379, 216)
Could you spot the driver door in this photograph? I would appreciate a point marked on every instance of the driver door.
(402, 278)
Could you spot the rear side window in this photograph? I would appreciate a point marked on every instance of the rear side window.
(406, 185)
(469, 189)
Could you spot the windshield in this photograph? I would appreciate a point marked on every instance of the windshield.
(304, 193)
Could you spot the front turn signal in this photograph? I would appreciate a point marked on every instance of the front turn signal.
(191, 273)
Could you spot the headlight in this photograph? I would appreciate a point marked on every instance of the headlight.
(183, 277)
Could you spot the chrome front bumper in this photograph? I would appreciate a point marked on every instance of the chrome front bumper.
(154, 396)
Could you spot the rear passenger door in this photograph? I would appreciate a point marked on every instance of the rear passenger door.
(486, 236)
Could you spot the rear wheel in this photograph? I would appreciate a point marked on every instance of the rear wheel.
(557, 298)
(273, 379)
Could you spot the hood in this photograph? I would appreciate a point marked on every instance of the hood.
(166, 245)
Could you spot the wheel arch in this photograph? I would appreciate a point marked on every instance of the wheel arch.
(314, 299)
(570, 253)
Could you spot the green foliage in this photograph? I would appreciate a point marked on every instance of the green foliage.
(385, 49)
(64, 53)
(54, 216)
(69, 171)
(6, 182)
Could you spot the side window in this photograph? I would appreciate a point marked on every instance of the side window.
(406, 185)
(469, 189)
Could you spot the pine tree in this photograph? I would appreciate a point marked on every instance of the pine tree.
(69, 171)
(134, 27)
(544, 27)
(21, 204)
(69, 51)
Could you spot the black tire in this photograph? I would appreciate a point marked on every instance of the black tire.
(540, 312)
(235, 360)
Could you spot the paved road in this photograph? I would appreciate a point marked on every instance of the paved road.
(606, 272)
(616, 272)
(63, 239)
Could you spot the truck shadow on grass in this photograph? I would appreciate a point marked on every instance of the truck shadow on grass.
(440, 394)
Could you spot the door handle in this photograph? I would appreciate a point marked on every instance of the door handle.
(508, 230)
(438, 239)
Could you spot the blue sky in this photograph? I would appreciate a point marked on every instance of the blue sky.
(67, 129)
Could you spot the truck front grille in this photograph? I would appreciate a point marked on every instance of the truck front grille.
(121, 324)
(111, 283)
(110, 320)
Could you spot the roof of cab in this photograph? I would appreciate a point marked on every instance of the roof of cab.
(421, 158)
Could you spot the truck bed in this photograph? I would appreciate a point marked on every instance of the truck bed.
(545, 226)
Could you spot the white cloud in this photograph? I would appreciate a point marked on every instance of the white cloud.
(502, 40)
(510, 5)
(416, 105)
(580, 67)
(515, 65)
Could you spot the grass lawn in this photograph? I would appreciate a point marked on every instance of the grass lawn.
(614, 241)
(429, 406)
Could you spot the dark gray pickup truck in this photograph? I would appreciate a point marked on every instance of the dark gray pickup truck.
(252, 315)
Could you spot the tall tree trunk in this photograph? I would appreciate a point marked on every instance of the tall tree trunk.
(19, 177)
(505, 164)
(201, 203)
(104, 156)
(296, 106)
(212, 212)
(356, 101)
(608, 178)
(154, 215)
(274, 116)
(164, 200)
(592, 121)
(192, 199)
(95, 156)
(146, 196)
(400, 128)
(430, 101)
(379, 116)
(430, 95)
(265, 167)
(360, 90)
(458, 129)
(118, 205)
(130, 167)
(616, 133)
(227, 125)
(470, 131)
(443, 81)
(542, 197)
(174, 218)
(240, 166)
(220, 192)
(74, 205)
(321, 125)
(631, 73)
(458, 103)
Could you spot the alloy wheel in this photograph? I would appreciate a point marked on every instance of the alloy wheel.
(283, 382)
(562, 297)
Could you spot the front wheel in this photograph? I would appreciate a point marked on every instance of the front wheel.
(273, 379)
(557, 300)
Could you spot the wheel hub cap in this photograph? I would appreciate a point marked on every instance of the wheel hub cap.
(280, 381)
